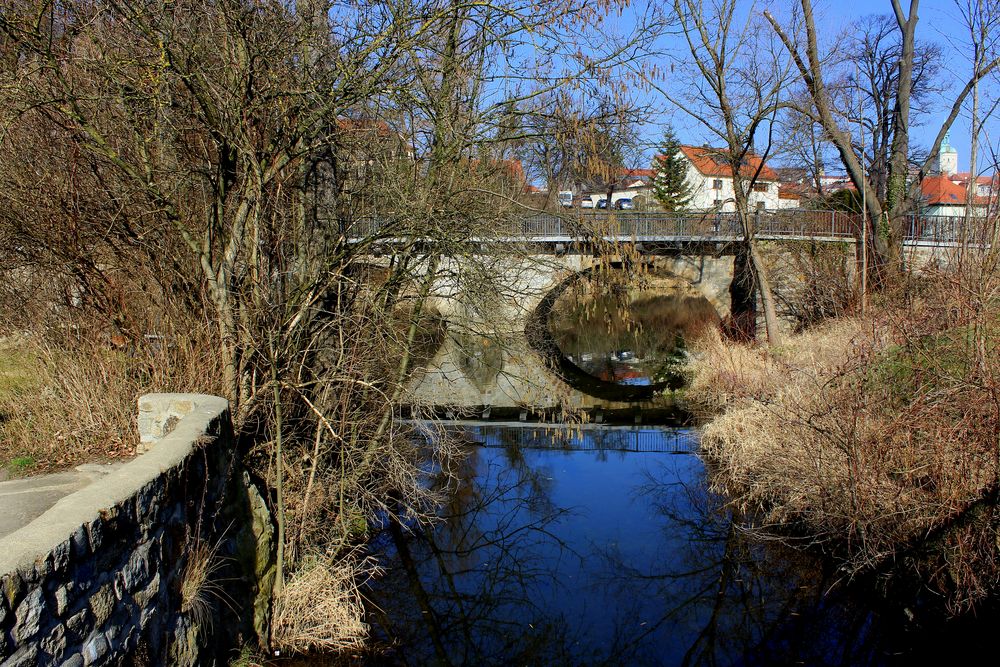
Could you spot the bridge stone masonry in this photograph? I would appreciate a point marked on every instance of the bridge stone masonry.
(703, 250)
(486, 360)
(488, 295)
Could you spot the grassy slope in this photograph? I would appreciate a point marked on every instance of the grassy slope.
(862, 436)
(20, 373)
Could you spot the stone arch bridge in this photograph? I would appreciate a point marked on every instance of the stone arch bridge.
(490, 292)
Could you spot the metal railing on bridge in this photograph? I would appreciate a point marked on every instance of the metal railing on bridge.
(947, 230)
(685, 225)
(648, 226)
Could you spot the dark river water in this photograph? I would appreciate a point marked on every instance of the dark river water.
(612, 551)
(603, 545)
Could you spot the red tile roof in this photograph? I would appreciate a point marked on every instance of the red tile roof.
(788, 191)
(637, 173)
(380, 127)
(939, 190)
(510, 168)
(712, 162)
(963, 177)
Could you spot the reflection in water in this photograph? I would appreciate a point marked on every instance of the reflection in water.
(578, 437)
(590, 556)
(628, 340)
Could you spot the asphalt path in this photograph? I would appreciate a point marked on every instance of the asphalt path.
(23, 500)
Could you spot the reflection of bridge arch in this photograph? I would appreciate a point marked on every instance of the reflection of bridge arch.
(539, 336)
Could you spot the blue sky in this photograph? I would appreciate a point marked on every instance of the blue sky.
(940, 22)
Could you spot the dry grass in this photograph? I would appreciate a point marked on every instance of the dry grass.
(62, 406)
(320, 608)
(867, 436)
(726, 375)
(199, 586)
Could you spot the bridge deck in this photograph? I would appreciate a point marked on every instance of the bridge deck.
(677, 229)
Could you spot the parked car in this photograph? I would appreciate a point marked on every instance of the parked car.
(602, 203)
(586, 202)
(624, 204)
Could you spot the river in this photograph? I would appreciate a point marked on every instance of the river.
(604, 545)
(590, 555)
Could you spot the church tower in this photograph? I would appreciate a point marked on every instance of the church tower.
(947, 159)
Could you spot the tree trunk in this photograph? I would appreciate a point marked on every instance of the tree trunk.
(899, 165)
(766, 295)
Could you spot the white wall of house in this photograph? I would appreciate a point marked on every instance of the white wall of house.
(788, 203)
(951, 210)
(716, 192)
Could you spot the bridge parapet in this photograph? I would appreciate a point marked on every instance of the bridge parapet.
(692, 226)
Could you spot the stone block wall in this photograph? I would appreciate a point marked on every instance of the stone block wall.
(159, 563)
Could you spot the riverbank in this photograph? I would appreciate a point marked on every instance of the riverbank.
(872, 440)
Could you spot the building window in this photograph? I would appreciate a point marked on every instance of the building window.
(717, 184)
(760, 187)
(760, 206)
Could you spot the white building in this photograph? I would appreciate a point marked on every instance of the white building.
(789, 197)
(710, 179)
(946, 192)
(941, 196)
(947, 158)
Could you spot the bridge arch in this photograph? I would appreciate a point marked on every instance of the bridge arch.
(540, 337)
(708, 276)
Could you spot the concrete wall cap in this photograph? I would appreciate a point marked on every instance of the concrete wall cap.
(22, 548)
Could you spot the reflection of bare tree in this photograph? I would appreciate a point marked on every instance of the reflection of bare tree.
(734, 599)
(475, 580)
(682, 585)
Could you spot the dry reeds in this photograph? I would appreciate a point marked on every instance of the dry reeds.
(725, 374)
(868, 436)
(76, 404)
(320, 608)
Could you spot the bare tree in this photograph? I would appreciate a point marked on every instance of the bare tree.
(889, 231)
(869, 77)
(982, 20)
(736, 81)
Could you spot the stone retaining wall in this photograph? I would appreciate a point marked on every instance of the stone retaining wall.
(113, 574)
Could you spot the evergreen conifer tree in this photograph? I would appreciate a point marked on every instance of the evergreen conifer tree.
(670, 187)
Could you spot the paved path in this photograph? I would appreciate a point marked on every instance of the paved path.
(23, 500)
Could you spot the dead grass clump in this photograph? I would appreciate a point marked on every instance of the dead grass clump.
(199, 583)
(320, 608)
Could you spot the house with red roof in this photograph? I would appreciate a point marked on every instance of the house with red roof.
(940, 195)
(710, 178)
